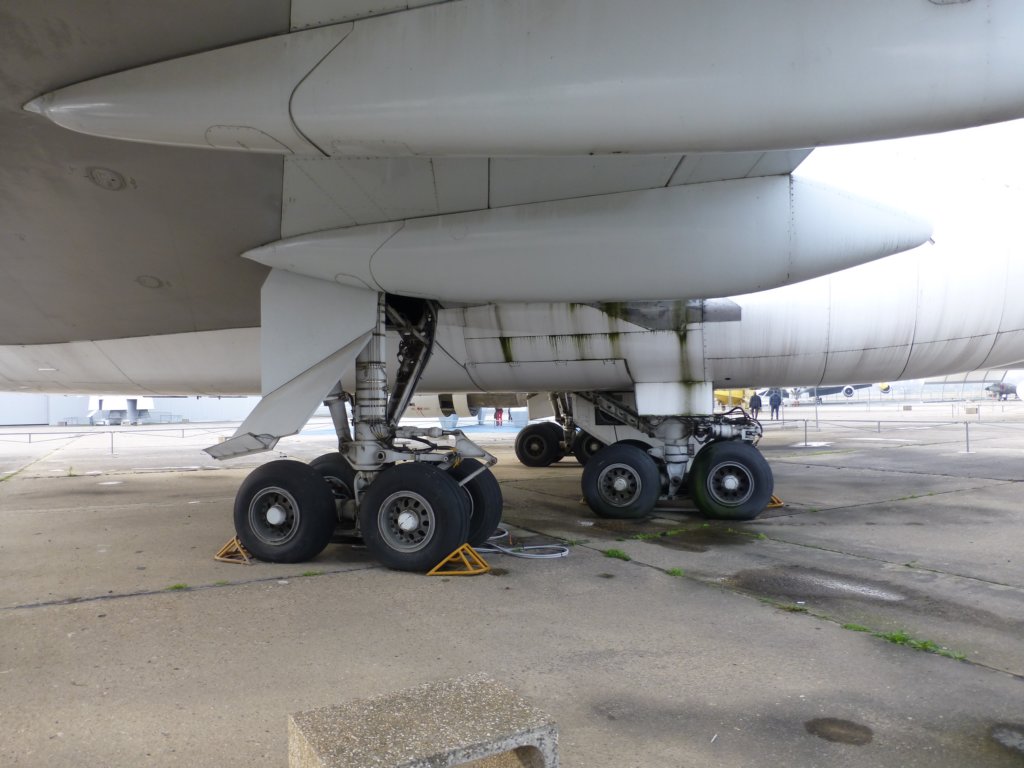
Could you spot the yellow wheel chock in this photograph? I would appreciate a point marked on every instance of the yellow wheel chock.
(234, 552)
(464, 561)
(775, 502)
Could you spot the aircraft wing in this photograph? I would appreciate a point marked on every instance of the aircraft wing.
(103, 239)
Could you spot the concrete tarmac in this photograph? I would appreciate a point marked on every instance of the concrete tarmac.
(876, 619)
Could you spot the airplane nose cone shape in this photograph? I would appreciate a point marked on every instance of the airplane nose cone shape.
(832, 227)
(234, 98)
(36, 106)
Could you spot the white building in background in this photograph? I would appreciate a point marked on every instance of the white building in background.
(19, 409)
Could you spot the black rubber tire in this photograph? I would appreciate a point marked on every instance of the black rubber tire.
(295, 490)
(584, 446)
(338, 473)
(485, 500)
(439, 509)
(558, 434)
(730, 480)
(537, 445)
(619, 463)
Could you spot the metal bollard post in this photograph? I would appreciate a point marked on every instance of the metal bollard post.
(111, 443)
(805, 433)
(967, 432)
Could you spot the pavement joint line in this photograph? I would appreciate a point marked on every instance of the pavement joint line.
(913, 497)
(869, 558)
(167, 591)
(35, 461)
(795, 460)
(873, 634)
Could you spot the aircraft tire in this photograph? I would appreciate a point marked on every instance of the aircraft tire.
(484, 498)
(413, 516)
(284, 512)
(730, 480)
(338, 473)
(537, 445)
(621, 481)
(341, 478)
(584, 446)
(559, 435)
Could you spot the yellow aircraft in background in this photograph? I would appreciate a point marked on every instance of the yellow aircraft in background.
(730, 398)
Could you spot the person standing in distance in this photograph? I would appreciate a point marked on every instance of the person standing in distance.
(755, 405)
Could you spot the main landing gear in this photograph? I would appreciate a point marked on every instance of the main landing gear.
(411, 500)
(631, 462)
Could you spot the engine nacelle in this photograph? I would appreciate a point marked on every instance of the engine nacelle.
(848, 391)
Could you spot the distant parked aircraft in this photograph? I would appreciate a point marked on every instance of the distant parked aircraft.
(1003, 390)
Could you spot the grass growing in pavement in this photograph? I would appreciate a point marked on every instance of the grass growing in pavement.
(677, 572)
(616, 553)
(904, 638)
(648, 536)
(176, 587)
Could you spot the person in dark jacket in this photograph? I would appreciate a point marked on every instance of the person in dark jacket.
(755, 405)
(774, 402)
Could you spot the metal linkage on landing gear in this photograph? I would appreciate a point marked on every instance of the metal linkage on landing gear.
(647, 458)
(413, 501)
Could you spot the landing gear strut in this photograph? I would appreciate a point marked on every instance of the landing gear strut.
(412, 500)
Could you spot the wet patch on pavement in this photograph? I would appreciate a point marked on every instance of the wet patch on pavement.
(839, 731)
(795, 582)
(703, 538)
(859, 599)
(1008, 735)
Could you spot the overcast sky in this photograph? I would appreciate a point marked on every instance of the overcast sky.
(964, 181)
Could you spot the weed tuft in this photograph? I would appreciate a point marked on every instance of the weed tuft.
(176, 587)
(616, 553)
(904, 638)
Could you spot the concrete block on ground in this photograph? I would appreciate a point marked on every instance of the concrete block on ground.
(469, 721)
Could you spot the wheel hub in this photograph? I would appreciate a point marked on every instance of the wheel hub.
(730, 484)
(276, 515)
(408, 521)
(619, 484)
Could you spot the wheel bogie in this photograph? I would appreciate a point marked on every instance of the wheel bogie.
(284, 512)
